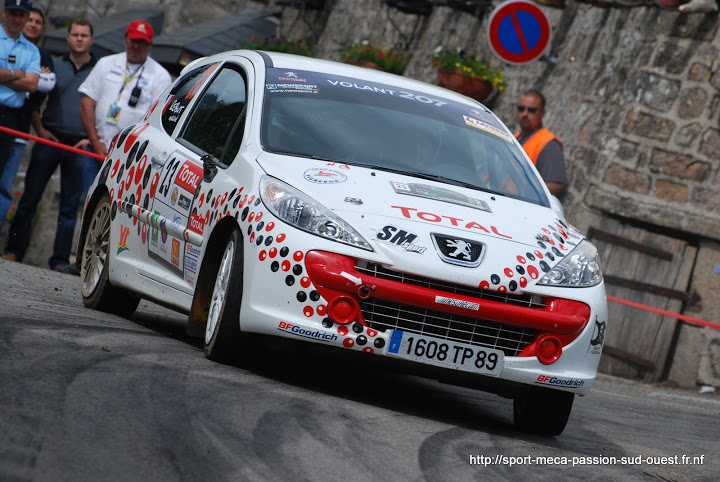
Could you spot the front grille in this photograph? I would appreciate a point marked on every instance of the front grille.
(526, 300)
(384, 314)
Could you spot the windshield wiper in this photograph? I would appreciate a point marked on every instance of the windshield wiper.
(431, 177)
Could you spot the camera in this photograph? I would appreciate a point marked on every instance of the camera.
(134, 96)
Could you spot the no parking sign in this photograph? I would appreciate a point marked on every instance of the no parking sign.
(518, 31)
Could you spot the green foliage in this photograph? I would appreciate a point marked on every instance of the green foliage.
(295, 46)
(391, 59)
(458, 60)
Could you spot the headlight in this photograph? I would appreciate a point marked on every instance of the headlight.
(580, 268)
(302, 212)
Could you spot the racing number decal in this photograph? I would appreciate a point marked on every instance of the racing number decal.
(169, 175)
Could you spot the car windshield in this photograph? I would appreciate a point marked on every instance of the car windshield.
(363, 123)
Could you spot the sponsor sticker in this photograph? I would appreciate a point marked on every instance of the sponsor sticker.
(596, 343)
(405, 239)
(305, 333)
(124, 233)
(175, 252)
(478, 124)
(459, 303)
(439, 194)
(189, 176)
(559, 382)
(324, 176)
(197, 223)
(183, 202)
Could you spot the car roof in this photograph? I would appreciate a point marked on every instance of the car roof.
(298, 62)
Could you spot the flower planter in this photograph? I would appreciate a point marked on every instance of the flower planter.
(366, 63)
(475, 88)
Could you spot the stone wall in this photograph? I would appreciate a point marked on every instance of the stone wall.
(633, 94)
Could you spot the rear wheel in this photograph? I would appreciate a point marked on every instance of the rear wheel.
(224, 342)
(97, 292)
(542, 411)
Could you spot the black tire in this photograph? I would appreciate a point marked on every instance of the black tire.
(224, 341)
(97, 292)
(542, 411)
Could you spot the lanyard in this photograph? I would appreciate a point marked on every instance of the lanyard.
(127, 80)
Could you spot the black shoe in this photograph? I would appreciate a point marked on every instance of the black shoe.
(67, 269)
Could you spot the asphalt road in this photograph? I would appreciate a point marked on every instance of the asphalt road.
(90, 396)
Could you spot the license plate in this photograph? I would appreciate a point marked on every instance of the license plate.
(444, 353)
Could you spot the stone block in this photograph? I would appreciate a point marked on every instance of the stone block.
(672, 57)
(653, 90)
(691, 103)
(679, 165)
(686, 360)
(710, 144)
(671, 191)
(627, 150)
(687, 134)
(699, 73)
(648, 125)
(708, 198)
(627, 179)
(709, 373)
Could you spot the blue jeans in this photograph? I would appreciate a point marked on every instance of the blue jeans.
(43, 162)
(8, 178)
(91, 167)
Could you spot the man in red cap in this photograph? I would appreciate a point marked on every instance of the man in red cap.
(121, 88)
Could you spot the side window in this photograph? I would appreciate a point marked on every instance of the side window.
(183, 92)
(217, 122)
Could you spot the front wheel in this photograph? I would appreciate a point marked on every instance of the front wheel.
(96, 290)
(542, 411)
(224, 342)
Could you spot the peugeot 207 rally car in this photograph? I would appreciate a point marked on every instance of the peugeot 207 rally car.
(272, 194)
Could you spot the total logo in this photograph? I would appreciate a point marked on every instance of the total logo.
(559, 382)
(412, 213)
(189, 177)
(197, 224)
(302, 332)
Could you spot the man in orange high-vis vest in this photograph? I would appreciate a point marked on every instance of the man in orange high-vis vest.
(542, 147)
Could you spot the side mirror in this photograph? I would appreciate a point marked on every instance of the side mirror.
(209, 167)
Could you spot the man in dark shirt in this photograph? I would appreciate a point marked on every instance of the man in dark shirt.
(59, 123)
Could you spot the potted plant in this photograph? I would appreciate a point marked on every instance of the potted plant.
(279, 43)
(365, 54)
(467, 73)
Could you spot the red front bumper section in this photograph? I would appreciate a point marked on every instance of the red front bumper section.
(336, 279)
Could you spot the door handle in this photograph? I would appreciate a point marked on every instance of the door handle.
(159, 161)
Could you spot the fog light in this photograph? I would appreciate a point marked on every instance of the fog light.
(343, 309)
(549, 349)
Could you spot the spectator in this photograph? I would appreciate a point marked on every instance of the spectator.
(33, 31)
(59, 123)
(542, 146)
(121, 88)
(19, 71)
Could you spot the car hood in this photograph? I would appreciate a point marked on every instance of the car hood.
(401, 216)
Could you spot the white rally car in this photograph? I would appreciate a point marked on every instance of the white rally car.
(273, 194)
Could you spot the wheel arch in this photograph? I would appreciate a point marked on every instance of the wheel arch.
(205, 282)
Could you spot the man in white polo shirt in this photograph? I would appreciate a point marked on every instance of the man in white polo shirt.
(121, 88)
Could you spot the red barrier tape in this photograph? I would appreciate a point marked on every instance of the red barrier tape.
(689, 319)
(51, 143)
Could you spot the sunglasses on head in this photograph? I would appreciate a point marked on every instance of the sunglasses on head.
(532, 110)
